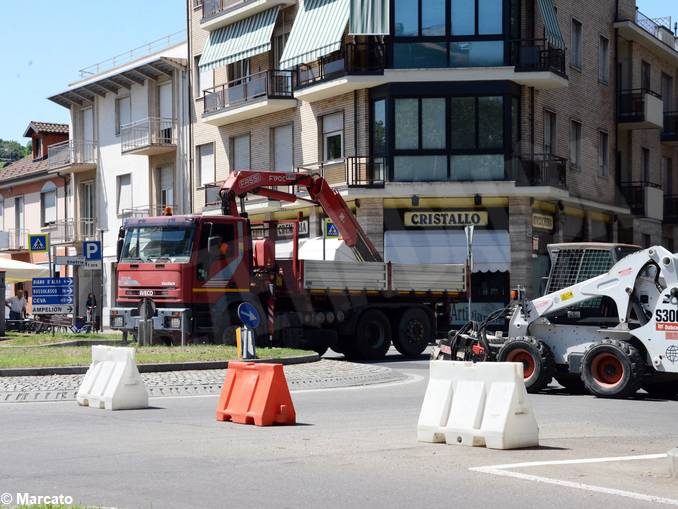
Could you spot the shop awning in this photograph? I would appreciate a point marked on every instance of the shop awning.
(369, 17)
(553, 34)
(317, 31)
(491, 248)
(240, 40)
(17, 271)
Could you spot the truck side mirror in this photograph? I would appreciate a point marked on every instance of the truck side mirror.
(119, 248)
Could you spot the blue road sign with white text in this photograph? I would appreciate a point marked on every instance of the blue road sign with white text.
(249, 315)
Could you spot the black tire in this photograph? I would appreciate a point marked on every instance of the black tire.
(612, 369)
(414, 332)
(572, 383)
(536, 357)
(372, 336)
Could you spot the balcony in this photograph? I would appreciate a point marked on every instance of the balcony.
(14, 240)
(354, 66)
(670, 132)
(219, 13)
(656, 34)
(538, 64)
(149, 136)
(72, 156)
(639, 109)
(70, 231)
(643, 198)
(252, 96)
(366, 172)
(144, 211)
(540, 170)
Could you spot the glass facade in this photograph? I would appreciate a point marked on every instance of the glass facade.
(449, 33)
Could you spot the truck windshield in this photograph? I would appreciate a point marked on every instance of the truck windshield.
(157, 243)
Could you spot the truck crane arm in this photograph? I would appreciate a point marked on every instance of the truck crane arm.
(619, 283)
(262, 183)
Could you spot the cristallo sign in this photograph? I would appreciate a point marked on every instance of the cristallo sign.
(542, 221)
(442, 218)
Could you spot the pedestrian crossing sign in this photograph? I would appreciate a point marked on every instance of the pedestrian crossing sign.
(38, 243)
(331, 230)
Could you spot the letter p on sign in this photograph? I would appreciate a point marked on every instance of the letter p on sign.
(92, 249)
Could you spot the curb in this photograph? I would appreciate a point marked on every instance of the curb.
(154, 368)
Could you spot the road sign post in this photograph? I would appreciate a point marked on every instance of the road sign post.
(250, 318)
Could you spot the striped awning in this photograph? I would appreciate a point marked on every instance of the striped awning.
(317, 31)
(369, 17)
(553, 34)
(243, 39)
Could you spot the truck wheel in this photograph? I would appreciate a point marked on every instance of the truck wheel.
(612, 369)
(372, 336)
(414, 332)
(536, 358)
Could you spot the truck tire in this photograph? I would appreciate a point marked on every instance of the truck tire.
(372, 336)
(612, 369)
(536, 358)
(413, 333)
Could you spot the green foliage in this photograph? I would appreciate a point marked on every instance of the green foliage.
(11, 151)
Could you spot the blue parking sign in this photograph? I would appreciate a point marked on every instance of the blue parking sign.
(92, 249)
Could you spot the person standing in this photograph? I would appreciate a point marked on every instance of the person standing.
(17, 306)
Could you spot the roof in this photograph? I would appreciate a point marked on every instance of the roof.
(25, 167)
(45, 127)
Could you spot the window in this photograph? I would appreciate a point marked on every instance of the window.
(645, 75)
(204, 79)
(206, 164)
(577, 41)
(667, 92)
(240, 152)
(645, 165)
(37, 143)
(575, 145)
(479, 17)
(477, 122)
(48, 196)
(283, 148)
(549, 132)
(603, 59)
(123, 112)
(379, 127)
(124, 186)
(278, 44)
(333, 137)
(420, 123)
(603, 154)
(237, 71)
(667, 162)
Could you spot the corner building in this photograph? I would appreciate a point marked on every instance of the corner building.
(429, 115)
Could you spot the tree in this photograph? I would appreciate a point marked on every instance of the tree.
(11, 151)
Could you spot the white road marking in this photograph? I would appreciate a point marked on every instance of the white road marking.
(505, 471)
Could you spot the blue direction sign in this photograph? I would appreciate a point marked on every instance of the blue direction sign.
(53, 295)
(249, 315)
(53, 299)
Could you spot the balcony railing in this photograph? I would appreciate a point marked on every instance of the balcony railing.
(67, 231)
(631, 104)
(531, 55)
(670, 131)
(351, 59)
(634, 193)
(366, 171)
(540, 170)
(211, 8)
(146, 211)
(148, 132)
(272, 84)
(14, 239)
(71, 152)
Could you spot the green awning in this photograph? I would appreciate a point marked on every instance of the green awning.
(369, 17)
(238, 41)
(553, 34)
(317, 31)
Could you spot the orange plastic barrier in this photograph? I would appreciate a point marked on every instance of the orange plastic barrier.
(255, 394)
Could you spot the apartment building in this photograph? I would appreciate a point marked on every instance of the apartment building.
(127, 156)
(517, 116)
(33, 200)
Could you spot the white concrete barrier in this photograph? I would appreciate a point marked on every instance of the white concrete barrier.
(477, 404)
(113, 381)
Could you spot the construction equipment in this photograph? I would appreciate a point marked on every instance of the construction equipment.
(196, 270)
(610, 334)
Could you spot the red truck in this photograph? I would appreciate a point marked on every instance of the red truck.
(193, 271)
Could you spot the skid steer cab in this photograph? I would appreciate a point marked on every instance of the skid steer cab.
(607, 324)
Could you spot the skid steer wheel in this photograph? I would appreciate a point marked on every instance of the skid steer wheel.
(536, 358)
(612, 369)
(414, 332)
(372, 336)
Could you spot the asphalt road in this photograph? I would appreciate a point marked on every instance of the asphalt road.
(352, 447)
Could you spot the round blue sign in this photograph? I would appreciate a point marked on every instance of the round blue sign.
(249, 315)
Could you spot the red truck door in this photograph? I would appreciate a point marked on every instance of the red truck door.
(224, 260)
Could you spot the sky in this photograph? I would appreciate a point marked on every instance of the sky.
(44, 43)
(44, 46)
